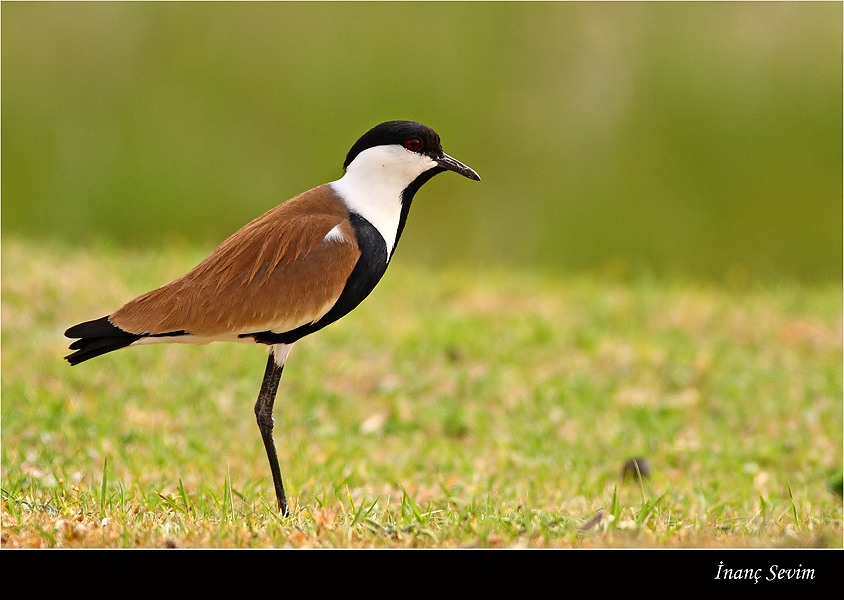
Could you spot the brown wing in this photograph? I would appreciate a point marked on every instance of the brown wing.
(276, 273)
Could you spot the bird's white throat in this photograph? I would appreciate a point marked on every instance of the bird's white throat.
(373, 184)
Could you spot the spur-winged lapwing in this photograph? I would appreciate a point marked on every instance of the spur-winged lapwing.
(290, 272)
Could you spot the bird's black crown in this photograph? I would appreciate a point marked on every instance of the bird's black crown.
(397, 132)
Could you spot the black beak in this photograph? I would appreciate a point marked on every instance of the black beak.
(452, 164)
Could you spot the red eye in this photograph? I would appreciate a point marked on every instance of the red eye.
(413, 144)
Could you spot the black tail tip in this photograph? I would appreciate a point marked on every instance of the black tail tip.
(97, 337)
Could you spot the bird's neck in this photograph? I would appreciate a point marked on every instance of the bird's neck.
(379, 185)
(375, 200)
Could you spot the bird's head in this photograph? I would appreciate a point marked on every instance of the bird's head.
(406, 148)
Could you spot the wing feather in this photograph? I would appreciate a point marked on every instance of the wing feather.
(276, 273)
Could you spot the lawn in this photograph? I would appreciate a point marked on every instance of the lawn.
(453, 408)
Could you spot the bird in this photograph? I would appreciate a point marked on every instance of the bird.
(288, 273)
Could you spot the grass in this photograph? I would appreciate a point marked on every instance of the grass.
(452, 409)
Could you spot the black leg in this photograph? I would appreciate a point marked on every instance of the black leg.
(264, 414)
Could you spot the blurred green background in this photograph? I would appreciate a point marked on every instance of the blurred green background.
(691, 139)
